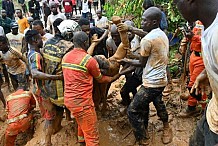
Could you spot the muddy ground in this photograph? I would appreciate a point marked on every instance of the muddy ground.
(114, 127)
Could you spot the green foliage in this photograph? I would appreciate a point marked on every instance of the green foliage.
(132, 9)
(127, 9)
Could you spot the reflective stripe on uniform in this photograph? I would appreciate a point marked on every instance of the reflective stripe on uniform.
(60, 90)
(51, 58)
(12, 120)
(85, 60)
(80, 67)
(58, 102)
(23, 95)
(81, 139)
(74, 67)
(50, 45)
(98, 77)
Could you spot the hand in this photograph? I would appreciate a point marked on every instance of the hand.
(189, 34)
(123, 61)
(95, 39)
(114, 78)
(201, 83)
(182, 49)
(122, 27)
(183, 45)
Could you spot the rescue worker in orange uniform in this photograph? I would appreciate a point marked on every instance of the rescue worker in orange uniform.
(79, 69)
(196, 66)
(19, 116)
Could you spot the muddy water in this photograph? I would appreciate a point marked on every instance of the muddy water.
(114, 128)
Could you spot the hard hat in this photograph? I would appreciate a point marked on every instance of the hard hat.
(67, 28)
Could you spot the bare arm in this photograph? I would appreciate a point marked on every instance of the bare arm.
(107, 79)
(105, 34)
(91, 49)
(95, 41)
(43, 76)
(137, 31)
(138, 63)
(200, 83)
(127, 70)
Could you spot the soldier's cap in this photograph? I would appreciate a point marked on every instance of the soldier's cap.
(14, 25)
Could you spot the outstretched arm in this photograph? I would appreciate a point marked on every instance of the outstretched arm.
(137, 31)
(124, 46)
(138, 63)
(95, 42)
(44, 76)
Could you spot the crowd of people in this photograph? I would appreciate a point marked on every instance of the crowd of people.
(71, 65)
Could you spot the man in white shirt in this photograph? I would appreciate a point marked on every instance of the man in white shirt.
(85, 8)
(2, 31)
(206, 133)
(15, 38)
(101, 21)
(53, 16)
(153, 58)
(38, 25)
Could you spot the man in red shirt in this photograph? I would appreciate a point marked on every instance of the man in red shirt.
(67, 4)
(79, 68)
(19, 107)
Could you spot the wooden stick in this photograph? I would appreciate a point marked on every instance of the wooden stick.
(127, 134)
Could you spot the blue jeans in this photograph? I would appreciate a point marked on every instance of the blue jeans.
(202, 135)
(85, 15)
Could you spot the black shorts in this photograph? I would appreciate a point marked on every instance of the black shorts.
(95, 3)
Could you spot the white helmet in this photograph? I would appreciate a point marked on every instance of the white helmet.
(67, 28)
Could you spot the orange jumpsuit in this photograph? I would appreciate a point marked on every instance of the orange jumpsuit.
(196, 64)
(19, 119)
(79, 68)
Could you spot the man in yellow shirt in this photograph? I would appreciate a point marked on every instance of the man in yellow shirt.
(22, 22)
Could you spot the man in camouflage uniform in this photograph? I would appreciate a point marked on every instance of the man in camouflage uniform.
(53, 52)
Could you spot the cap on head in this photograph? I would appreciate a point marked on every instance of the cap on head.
(30, 19)
(14, 25)
(52, 4)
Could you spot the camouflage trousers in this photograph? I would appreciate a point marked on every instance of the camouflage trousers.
(138, 110)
